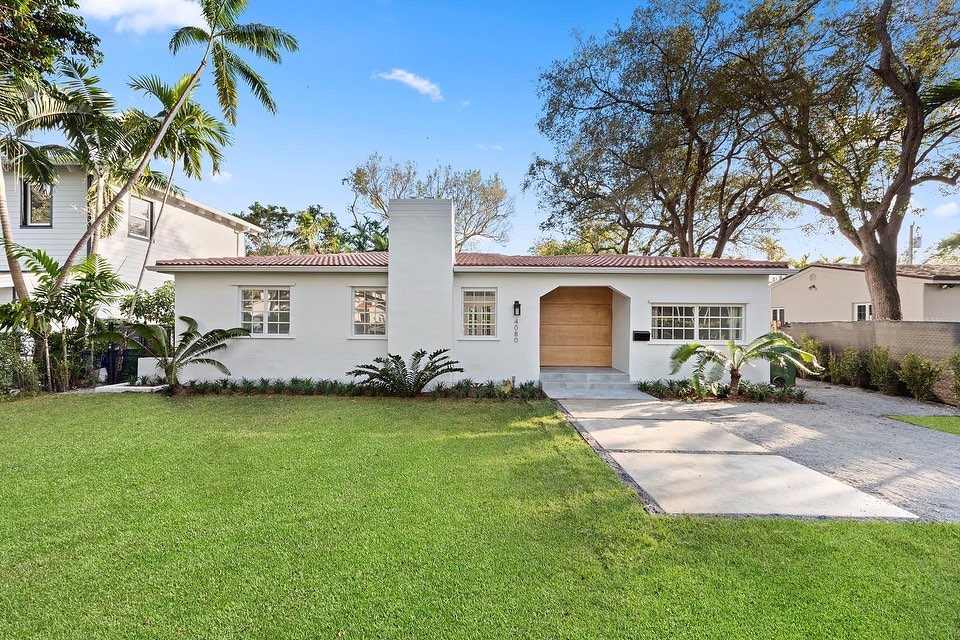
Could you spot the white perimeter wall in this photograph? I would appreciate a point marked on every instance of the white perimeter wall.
(320, 345)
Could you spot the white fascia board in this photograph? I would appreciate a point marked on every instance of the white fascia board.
(686, 271)
(180, 268)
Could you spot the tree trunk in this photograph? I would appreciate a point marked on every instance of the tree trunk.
(734, 382)
(13, 265)
(880, 272)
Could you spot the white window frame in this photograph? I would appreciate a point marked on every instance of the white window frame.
(265, 290)
(696, 306)
(353, 311)
(148, 219)
(868, 314)
(27, 221)
(777, 317)
(464, 335)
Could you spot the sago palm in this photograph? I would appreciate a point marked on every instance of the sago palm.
(711, 361)
(192, 347)
(222, 39)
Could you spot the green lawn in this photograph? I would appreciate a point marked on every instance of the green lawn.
(949, 424)
(228, 517)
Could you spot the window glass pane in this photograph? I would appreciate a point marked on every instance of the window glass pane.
(265, 311)
(479, 312)
(672, 322)
(140, 218)
(370, 312)
(40, 209)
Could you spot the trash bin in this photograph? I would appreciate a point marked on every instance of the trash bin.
(783, 376)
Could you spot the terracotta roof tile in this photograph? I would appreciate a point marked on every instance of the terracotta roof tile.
(379, 259)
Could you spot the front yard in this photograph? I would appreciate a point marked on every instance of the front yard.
(222, 517)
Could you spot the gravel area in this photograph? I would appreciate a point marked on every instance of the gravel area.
(845, 434)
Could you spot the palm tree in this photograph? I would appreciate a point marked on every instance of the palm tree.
(90, 284)
(220, 40)
(25, 107)
(942, 94)
(193, 348)
(774, 347)
(102, 143)
(194, 134)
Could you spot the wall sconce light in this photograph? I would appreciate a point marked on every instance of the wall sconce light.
(516, 308)
(812, 287)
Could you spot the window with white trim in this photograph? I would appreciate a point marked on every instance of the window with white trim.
(265, 311)
(697, 322)
(369, 312)
(37, 206)
(140, 218)
(778, 315)
(862, 311)
(480, 312)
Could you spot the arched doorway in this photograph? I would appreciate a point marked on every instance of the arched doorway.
(576, 327)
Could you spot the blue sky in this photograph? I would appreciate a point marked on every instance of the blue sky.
(434, 82)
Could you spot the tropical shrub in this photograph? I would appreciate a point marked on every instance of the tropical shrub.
(833, 368)
(919, 375)
(953, 364)
(852, 368)
(882, 370)
(694, 390)
(391, 374)
(774, 347)
(812, 346)
(192, 348)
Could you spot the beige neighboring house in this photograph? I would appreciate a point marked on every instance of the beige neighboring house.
(838, 292)
(54, 219)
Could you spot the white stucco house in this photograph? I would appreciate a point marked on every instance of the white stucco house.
(502, 316)
(54, 219)
(838, 292)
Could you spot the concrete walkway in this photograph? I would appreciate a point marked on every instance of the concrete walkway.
(683, 464)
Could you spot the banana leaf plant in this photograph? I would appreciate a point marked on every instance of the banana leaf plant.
(191, 348)
(712, 361)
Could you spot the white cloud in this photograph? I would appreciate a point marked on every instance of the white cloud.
(222, 176)
(464, 103)
(141, 16)
(947, 210)
(490, 147)
(415, 82)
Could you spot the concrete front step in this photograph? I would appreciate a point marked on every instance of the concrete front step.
(586, 386)
(546, 377)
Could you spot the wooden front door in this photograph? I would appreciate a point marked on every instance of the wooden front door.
(576, 327)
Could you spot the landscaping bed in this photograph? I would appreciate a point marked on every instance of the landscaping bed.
(229, 517)
(692, 390)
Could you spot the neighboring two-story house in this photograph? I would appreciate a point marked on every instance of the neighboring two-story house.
(838, 292)
(54, 219)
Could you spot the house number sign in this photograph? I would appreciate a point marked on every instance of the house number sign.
(516, 330)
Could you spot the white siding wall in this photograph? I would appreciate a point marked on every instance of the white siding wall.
(179, 234)
(321, 346)
(69, 216)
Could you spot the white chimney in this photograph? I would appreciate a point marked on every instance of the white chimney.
(420, 276)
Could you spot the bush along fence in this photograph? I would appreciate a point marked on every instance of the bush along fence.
(893, 370)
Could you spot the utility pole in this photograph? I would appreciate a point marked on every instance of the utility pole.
(914, 243)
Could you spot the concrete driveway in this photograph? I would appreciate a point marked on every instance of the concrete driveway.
(740, 459)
